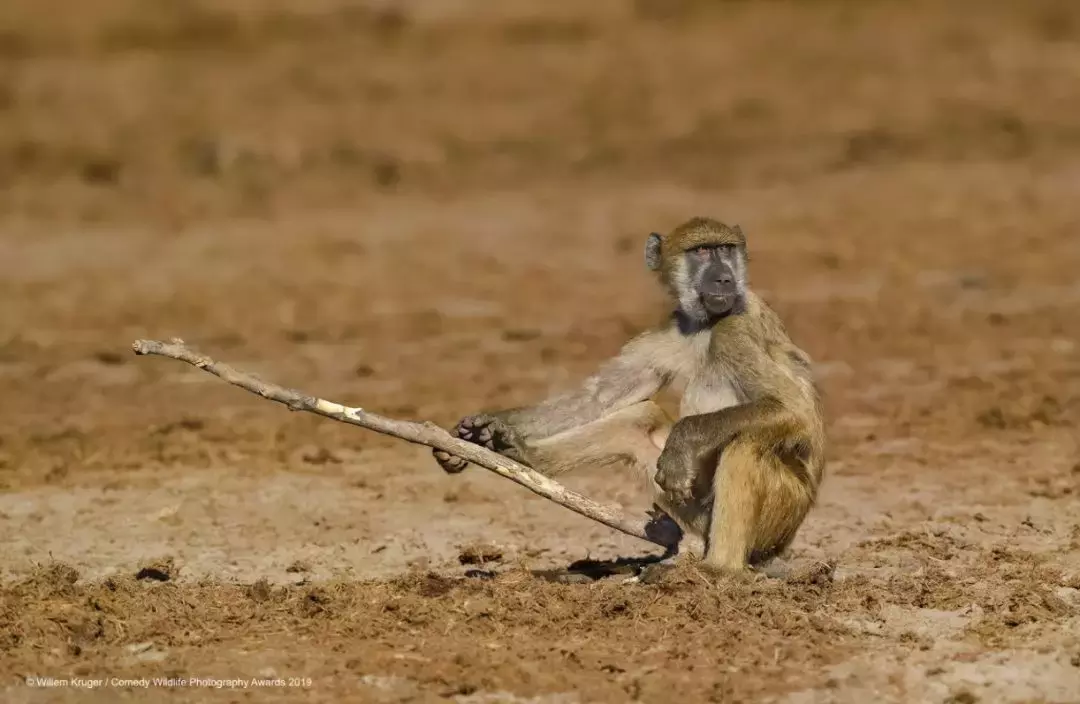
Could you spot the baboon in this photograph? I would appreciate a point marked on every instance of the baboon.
(741, 466)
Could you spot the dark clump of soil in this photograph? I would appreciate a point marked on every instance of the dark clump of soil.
(480, 554)
(158, 571)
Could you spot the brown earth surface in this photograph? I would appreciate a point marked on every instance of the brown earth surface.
(428, 208)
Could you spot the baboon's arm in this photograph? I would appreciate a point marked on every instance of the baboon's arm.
(638, 372)
(696, 441)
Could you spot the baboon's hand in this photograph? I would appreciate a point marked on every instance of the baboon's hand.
(493, 433)
(451, 464)
(674, 473)
(663, 528)
(487, 431)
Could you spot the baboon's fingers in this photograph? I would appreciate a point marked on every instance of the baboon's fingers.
(468, 428)
(452, 464)
(678, 489)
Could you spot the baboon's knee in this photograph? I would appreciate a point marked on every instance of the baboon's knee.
(758, 507)
(783, 510)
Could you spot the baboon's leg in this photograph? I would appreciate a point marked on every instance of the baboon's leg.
(633, 436)
(758, 505)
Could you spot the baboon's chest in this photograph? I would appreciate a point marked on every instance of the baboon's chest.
(704, 382)
(708, 393)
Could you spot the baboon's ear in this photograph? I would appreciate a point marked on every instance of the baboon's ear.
(652, 251)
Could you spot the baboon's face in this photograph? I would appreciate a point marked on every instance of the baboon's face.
(713, 278)
(706, 278)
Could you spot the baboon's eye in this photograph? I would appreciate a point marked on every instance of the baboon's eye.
(701, 252)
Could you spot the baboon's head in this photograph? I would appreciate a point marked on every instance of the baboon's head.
(703, 264)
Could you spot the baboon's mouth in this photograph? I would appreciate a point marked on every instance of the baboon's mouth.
(718, 302)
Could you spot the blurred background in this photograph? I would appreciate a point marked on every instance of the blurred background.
(173, 112)
(432, 207)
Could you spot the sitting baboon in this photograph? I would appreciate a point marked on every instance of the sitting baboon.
(742, 465)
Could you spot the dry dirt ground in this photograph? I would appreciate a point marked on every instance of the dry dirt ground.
(432, 207)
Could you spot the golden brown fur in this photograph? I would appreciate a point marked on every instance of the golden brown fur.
(742, 465)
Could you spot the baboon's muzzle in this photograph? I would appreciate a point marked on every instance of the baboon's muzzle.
(718, 289)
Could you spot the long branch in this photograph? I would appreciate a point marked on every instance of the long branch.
(425, 433)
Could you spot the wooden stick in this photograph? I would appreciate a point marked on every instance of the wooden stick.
(651, 529)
